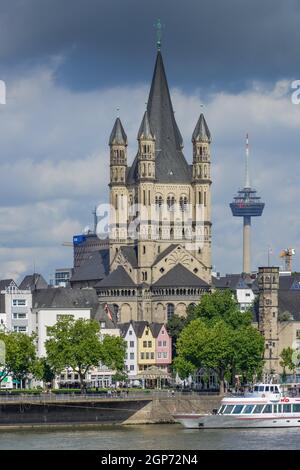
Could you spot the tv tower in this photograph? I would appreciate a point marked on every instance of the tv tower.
(247, 204)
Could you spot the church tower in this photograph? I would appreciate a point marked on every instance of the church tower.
(201, 181)
(268, 281)
(118, 193)
(157, 266)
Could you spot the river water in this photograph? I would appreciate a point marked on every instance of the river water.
(151, 437)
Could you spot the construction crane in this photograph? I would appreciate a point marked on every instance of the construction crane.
(288, 254)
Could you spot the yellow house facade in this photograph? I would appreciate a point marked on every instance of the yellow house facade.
(146, 348)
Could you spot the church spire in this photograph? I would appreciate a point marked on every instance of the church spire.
(145, 131)
(118, 135)
(201, 132)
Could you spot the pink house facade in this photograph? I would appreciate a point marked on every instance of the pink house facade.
(163, 348)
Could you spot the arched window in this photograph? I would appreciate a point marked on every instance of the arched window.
(158, 200)
(170, 311)
(171, 202)
(183, 203)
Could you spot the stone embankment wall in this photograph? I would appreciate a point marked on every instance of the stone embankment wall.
(162, 410)
(113, 411)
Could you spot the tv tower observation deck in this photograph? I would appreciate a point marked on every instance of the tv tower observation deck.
(247, 204)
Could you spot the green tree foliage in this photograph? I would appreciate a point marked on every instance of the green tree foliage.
(287, 359)
(221, 338)
(43, 371)
(76, 344)
(20, 355)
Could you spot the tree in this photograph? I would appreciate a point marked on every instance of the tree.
(222, 304)
(20, 355)
(221, 339)
(175, 326)
(43, 371)
(75, 344)
(113, 352)
(287, 361)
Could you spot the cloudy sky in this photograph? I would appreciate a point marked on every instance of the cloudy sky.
(69, 64)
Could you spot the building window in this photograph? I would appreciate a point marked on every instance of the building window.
(19, 316)
(165, 355)
(147, 355)
(159, 355)
(183, 203)
(19, 303)
(149, 344)
(142, 355)
(130, 333)
(144, 250)
(170, 311)
(131, 367)
(131, 356)
(147, 332)
(131, 344)
(144, 344)
(164, 343)
(20, 329)
(159, 344)
(152, 355)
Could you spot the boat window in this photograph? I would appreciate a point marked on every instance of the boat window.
(272, 389)
(287, 408)
(221, 409)
(261, 388)
(258, 408)
(248, 409)
(274, 408)
(267, 388)
(228, 409)
(296, 408)
(256, 388)
(267, 409)
(237, 409)
(276, 389)
(279, 409)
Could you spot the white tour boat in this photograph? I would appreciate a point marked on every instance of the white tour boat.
(265, 407)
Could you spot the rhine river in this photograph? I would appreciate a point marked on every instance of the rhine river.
(150, 437)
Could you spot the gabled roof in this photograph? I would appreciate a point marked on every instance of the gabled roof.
(130, 253)
(33, 282)
(165, 253)
(171, 166)
(179, 276)
(231, 281)
(118, 135)
(103, 316)
(155, 328)
(95, 267)
(201, 132)
(117, 278)
(289, 282)
(289, 301)
(64, 297)
(4, 283)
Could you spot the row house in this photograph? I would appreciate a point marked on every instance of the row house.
(148, 345)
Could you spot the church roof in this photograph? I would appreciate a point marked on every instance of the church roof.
(117, 278)
(201, 131)
(95, 267)
(171, 166)
(179, 276)
(130, 253)
(145, 131)
(118, 135)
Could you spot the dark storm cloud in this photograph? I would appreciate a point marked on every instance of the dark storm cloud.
(214, 43)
